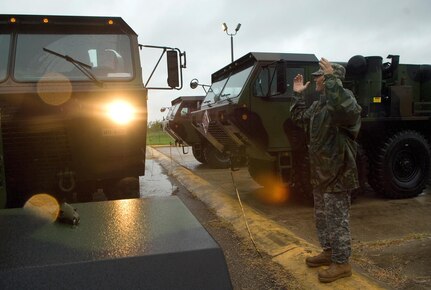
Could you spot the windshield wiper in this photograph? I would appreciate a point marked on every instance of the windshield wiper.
(228, 99)
(83, 67)
(208, 102)
(224, 96)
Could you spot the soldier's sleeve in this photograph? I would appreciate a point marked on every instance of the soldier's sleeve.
(341, 102)
(299, 113)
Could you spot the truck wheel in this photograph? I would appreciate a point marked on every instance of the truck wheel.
(262, 171)
(198, 154)
(401, 167)
(216, 159)
(128, 187)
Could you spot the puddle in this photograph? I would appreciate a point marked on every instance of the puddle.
(155, 182)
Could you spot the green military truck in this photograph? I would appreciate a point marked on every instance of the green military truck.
(246, 113)
(73, 107)
(178, 124)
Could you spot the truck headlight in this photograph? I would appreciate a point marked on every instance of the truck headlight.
(121, 112)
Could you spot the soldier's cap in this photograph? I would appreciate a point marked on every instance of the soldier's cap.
(339, 71)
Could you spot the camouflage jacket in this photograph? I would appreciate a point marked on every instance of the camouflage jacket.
(332, 124)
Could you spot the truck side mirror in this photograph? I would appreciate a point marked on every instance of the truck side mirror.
(173, 76)
(176, 61)
(194, 83)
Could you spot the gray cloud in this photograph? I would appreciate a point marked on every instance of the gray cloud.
(336, 29)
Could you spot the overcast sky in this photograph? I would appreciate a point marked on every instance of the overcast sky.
(334, 29)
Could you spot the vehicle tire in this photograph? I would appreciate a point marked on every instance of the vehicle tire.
(401, 165)
(262, 171)
(198, 153)
(128, 187)
(216, 159)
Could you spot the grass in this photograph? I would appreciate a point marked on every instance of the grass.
(159, 138)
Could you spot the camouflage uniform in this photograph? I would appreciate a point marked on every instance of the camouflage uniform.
(332, 122)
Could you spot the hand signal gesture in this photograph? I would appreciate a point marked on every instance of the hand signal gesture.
(298, 84)
(326, 66)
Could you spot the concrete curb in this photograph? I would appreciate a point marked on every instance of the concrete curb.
(271, 238)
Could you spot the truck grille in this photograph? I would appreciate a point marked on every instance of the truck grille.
(33, 158)
(218, 133)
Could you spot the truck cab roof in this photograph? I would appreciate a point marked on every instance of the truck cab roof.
(265, 57)
(186, 98)
(20, 22)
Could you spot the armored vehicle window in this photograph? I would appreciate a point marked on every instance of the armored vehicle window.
(108, 55)
(184, 111)
(228, 88)
(4, 55)
(261, 86)
(266, 82)
(214, 91)
(169, 115)
(175, 109)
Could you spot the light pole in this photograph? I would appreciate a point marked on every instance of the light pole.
(231, 37)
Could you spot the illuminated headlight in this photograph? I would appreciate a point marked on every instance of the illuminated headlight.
(121, 112)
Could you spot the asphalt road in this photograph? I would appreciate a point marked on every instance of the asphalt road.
(247, 269)
(391, 238)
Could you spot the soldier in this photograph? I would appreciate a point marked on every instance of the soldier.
(333, 123)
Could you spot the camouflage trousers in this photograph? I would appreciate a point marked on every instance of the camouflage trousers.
(332, 214)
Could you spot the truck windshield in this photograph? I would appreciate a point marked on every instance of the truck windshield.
(108, 55)
(227, 88)
(174, 110)
(4, 55)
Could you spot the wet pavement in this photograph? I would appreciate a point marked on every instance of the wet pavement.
(155, 183)
(391, 238)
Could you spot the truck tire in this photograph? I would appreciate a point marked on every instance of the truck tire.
(216, 159)
(199, 154)
(401, 166)
(262, 171)
(128, 187)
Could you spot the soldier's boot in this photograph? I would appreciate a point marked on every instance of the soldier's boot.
(335, 272)
(323, 259)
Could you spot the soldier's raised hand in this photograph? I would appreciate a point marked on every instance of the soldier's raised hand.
(326, 66)
(298, 84)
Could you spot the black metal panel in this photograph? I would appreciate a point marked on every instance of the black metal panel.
(122, 244)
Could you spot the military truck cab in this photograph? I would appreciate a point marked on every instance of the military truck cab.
(177, 121)
(246, 113)
(73, 107)
(178, 124)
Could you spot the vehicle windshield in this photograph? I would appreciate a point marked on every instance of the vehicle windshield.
(4, 53)
(107, 55)
(174, 110)
(228, 88)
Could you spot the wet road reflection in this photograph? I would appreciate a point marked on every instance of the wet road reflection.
(155, 182)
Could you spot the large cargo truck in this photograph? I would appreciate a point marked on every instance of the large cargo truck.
(246, 112)
(73, 107)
